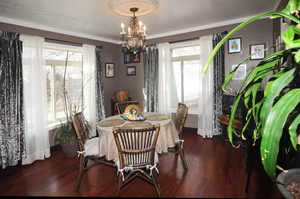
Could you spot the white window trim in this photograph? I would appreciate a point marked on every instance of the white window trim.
(62, 47)
(181, 59)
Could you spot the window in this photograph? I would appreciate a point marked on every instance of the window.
(186, 71)
(55, 58)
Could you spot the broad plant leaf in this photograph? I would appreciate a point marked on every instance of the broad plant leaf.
(272, 91)
(297, 56)
(253, 74)
(288, 37)
(232, 117)
(272, 131)
(292, 7)
(293, 131)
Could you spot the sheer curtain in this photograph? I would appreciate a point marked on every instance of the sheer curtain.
(89, 86)
(206, 100)
(35, 100)
(165, 78)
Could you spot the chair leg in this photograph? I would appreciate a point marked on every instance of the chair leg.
(83, 162)
(182, 157)
(119, 184)
(156, 185)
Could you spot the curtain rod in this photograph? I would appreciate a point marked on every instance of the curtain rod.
(183, 40)
(63, 42)
(57, 41)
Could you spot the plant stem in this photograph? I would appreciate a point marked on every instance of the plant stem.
(64, 87)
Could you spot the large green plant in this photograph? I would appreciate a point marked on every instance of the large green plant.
(276, 112)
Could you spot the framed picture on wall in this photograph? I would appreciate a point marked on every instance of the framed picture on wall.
(109, 70)
(240, 73)
(234, 45)
(132, 58)
(131, 70)
(257, 51)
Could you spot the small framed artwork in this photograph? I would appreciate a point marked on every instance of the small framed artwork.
(234, 45)
(240, 73)
(131, 70)
(257, 51)
(132, 58)
(109, 70)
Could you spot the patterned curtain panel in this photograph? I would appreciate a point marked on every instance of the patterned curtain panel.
(12, 144)
(99, 86)
(219, 63)
(150, 60)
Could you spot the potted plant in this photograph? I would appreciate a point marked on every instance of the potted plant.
(271, 120)
(66, 138)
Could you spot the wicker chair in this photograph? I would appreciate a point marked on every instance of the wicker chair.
(181, 115)
(137, 156)
(89, 148)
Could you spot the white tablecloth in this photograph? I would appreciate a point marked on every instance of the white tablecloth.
(168, 135)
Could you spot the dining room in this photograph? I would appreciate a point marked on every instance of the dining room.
(141, 98)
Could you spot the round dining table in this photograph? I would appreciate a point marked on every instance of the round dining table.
(168, 134)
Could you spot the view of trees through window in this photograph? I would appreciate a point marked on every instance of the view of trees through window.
(55, 63)
(186, 70)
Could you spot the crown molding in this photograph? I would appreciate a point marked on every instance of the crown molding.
(57, 30)
(197, 28)
(151, 36)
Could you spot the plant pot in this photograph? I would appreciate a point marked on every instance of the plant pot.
(70, 150)
(284, 179)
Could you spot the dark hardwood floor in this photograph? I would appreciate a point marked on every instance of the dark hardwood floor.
(216, 169)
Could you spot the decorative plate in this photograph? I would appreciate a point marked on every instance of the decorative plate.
(133, 113)
(110, 123)
(157, 117)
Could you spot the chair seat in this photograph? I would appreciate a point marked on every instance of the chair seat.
(92, 147)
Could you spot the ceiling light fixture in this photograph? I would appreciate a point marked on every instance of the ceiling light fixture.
(134, 36)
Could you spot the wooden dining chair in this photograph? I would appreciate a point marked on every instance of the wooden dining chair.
(181, 115)
(137, 156)
(88, 148)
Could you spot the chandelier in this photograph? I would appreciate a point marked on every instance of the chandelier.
(133, 37)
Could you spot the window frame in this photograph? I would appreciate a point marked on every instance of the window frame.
(59, 63)
(182, 59)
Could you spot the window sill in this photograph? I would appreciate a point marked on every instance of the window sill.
(53, 126)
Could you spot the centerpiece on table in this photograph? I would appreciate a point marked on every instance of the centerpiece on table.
(133, 113)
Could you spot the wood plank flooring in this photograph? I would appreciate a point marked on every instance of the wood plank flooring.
(216, 169)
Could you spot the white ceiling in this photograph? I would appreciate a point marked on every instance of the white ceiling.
(93, 18)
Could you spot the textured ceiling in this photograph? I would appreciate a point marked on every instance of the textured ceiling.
(94, 19)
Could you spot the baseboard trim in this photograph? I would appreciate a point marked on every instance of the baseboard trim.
(193, 130)
(55, 148)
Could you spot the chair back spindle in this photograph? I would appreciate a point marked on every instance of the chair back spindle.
(181, 115)
(81, 129)
(136, 147)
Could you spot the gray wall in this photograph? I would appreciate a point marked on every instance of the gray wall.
(110, 54)
(258, 32)
(134, 84)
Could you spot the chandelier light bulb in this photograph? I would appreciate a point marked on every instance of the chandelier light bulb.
(123, 28)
